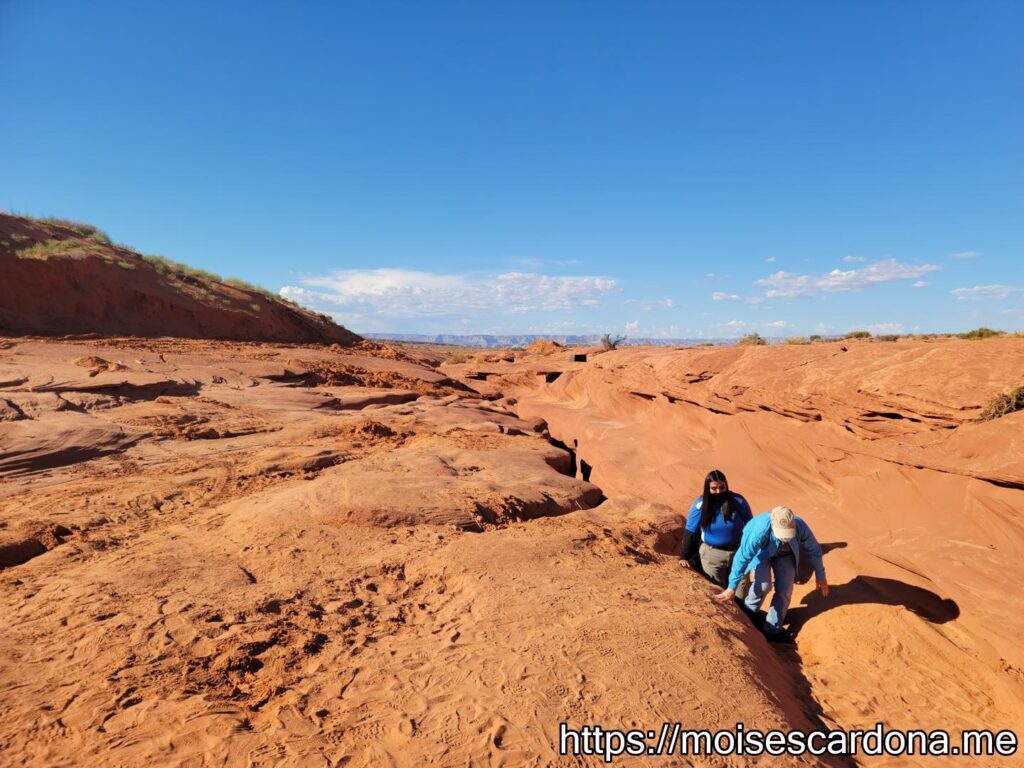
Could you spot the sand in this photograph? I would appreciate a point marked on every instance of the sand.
(879, 447)
(255, 554)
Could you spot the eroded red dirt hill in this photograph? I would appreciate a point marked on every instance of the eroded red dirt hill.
(61, 278)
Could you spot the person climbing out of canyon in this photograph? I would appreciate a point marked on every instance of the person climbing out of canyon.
(715, 524)
(773, 544)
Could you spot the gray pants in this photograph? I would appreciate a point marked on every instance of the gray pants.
(717, 563)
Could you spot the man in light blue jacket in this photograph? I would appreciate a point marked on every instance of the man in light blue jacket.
(770, 546)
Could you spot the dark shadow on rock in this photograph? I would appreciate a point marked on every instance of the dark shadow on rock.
(791, 660)
(828, 547)
(669, 540)
(862, 590)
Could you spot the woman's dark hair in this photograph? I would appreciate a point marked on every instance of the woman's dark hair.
(708, 509)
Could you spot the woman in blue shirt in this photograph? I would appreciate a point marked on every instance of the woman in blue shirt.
(715, 524)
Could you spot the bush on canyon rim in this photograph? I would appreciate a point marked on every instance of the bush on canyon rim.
(1000, 405)
(980, 333)
(752, 339)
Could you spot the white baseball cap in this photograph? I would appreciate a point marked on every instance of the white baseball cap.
(783, 523)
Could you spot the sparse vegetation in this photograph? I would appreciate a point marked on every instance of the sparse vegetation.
(60, 248)
(255, 307)
(888, 337)
(162, 263)
(815, 337)
(1000, 405)
(858, 335)
(980, 333)
(245, 285)
(81, 228)
(165, 265)
(796, 340)
(752, 339)
(213, 277)
(608, 343)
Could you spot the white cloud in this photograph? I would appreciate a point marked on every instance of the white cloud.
(852, 259)
(919, 284)
(964, 255)
(648, 304)
(770, 259)
(778, 324)
(710, 274)
(531, 262)
(786, 284)
(408, 293)
(753, 301)
(632, 325)
(985, 292)
(883, 328)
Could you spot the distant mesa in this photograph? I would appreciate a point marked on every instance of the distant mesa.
(525, 340)
(60, 278)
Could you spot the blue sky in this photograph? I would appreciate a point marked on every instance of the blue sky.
(650, 168)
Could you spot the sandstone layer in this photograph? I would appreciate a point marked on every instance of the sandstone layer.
(880, 448)
(254, 554)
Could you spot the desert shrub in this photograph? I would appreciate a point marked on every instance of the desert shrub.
(165, 265)
(608, 343)
(888, 337)
(59, 248)
(796, 340)
(1000, 405)
(213, 277)
(162, 263)
(81, 228)
(980, 333)
(255, 307)
(858, 335)
(752, 339)
(245, 285)
(815, 337)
